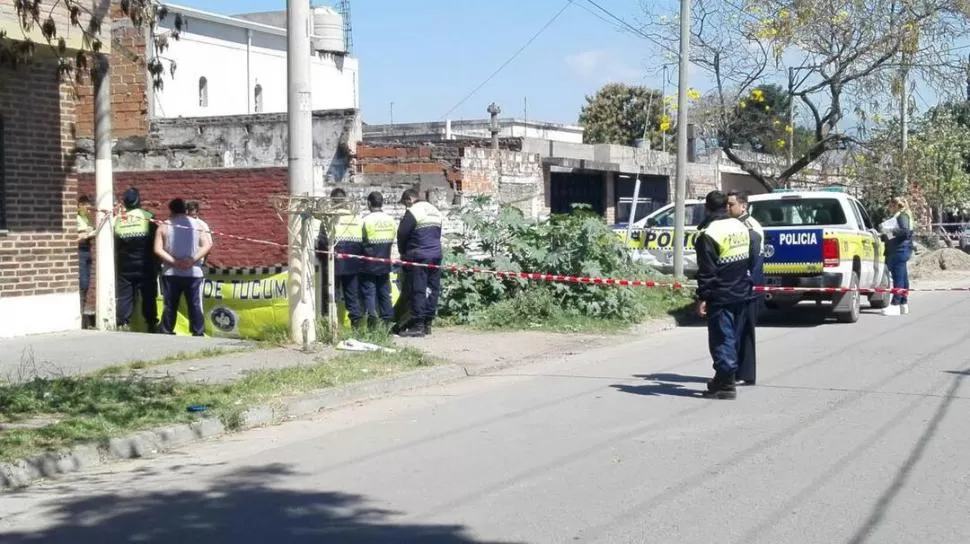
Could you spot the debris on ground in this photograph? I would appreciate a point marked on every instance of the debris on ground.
(932, 262)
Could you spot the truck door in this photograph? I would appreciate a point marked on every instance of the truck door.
(873, 248)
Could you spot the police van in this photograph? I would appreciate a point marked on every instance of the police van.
(652, 238)
(820, 239)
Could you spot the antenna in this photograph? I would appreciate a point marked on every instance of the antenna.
(344, 10)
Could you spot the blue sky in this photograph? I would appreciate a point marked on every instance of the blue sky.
(426, 56)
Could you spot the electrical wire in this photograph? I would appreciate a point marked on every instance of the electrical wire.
(508, 61)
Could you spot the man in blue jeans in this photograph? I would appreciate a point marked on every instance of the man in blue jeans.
(724, 283)
(181, 246)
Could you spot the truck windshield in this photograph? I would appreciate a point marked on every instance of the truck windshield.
(797, 212)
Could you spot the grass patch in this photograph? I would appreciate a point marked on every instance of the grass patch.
(279, 335)
(95, 408)
(206, 353)
(539, 309)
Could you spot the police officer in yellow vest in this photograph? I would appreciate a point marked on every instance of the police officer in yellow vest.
(419, 240)
(135, 264)
(348, 235)
(747, 349)
(724, 283)
(375, 280)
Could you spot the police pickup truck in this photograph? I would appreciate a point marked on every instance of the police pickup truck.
(652, 238)
(820, 239)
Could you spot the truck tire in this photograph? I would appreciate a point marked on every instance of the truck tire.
(855, 303)
(879, 301)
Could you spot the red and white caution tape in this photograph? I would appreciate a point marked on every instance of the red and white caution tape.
(562, 278)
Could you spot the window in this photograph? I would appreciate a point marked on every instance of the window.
(693, 215)
(258, 96)
(866, 220)
(798, 212)
(203, 92)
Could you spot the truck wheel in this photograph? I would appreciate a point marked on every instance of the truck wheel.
(879, 301)
(854, 300)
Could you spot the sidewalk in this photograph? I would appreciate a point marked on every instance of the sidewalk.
(79, 352)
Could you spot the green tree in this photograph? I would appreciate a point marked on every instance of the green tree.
(844, 55)
(937, 162)
(620, 114)
(56, 20)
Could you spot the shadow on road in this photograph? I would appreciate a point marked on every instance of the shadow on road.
(805, 317)
(244, 508)
(882, 506)
(672, 378)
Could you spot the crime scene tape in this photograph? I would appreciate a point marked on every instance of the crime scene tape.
(561, 278)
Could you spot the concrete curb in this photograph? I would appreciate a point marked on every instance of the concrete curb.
(151, 443)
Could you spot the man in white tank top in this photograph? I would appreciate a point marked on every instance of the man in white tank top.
(181, 245)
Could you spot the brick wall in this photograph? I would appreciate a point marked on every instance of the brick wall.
(409, 159)
(129, 82)
(38, 254)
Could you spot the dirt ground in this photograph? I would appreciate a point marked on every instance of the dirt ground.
(481, 351)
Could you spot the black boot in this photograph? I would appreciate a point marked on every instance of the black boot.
(355, 324)
(721, 388)
(372, 323)
(417, 329)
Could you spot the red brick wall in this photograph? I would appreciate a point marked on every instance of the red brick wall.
(39, 254)
(234, 201)
(129, 83)
(409, 159)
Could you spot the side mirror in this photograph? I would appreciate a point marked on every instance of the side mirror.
(651, 222)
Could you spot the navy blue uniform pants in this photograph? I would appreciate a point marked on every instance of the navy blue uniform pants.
(146, 287)
(175, 287)
(84, 273)
(425, 289)
(747, 351)
(724, 323)
(898, 268)
(376, 290)
(349, 288)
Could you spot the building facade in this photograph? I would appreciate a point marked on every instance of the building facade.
(38, 189)
(237, 66)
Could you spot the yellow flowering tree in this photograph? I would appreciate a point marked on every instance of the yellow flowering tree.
(838, 55)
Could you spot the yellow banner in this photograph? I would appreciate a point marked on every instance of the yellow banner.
(243, 305)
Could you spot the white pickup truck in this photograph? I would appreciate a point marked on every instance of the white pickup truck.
(820, 239)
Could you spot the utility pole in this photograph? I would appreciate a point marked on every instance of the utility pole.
(300, 172)
(680, 193)
(904, 119)
(791, 115)
(104, 199)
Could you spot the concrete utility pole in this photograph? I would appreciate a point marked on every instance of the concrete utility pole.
(680, 193)
(104, 199)
(904, 119)
(791, 115)
(300, 117)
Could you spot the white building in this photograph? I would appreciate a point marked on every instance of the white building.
(508, 127)
(237, 65)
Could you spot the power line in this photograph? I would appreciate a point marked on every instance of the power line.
(510, 59)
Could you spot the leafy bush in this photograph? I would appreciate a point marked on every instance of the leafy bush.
(577, 244)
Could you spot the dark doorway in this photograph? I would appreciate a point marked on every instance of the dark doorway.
(567, 189)
(654, 194)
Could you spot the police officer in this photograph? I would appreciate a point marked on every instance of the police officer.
(348, 237)
(747, 351)
(419, 241)
(724, 283)
(135, 263)
(375, 279)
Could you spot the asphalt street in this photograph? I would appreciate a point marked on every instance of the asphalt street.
(855, 433)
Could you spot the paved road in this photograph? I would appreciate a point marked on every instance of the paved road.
(856, 434)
